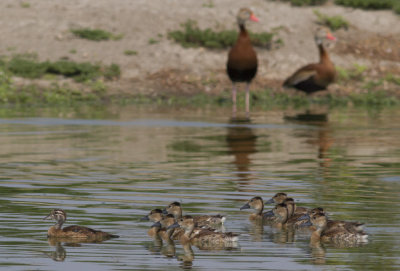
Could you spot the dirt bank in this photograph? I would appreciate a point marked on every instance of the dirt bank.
(43, 27)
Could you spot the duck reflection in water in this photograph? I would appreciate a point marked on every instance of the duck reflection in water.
(241, 142)
(59, 254)
(322, 138)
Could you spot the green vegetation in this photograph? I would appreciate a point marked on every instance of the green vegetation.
(153, 41)
(393, 79)
(306, 2)
(25, 5)
(130, 52)
(95, 34)
(193, 36)
(208, 4)
(55, 94)
(29, 67)
(355, 73)
(333, 22)
(371, 4)
(72, 51)
(268, 99)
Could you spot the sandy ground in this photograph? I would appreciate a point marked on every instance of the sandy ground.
(44, 27)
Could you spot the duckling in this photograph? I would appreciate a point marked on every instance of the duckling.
(281, 215)
(205, 238)
(175, 209)
(354, 227)
(73, 231)
(155, 215)
(257, 204)
(281, 197)
(334, 234)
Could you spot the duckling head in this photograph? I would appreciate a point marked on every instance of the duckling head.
(168, 220)
(186, 222)
(174, 208)
(277, 199)
(307, 216)
(244, 15)
(281, 213)
(154, 215)
(319, 220)
(58, 215)
(255, 203)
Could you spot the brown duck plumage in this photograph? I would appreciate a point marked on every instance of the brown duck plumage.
(242, 59)
(317, 76)
(73, 232)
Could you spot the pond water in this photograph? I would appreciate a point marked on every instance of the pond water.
(107, 167)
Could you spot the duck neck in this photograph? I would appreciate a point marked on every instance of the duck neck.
(243, 32)
(59, 224)
(316, 235)
(259, 211)
(323, 55)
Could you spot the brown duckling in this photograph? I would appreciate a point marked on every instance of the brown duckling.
(281, 215)
(281, 197)
(355, 227)
(78, 232)
(155, 215)
(204, 238)
(333, 234)
(257, 204)
(175, 209)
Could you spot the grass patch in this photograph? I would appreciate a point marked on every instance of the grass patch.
(153, 41)
(354, 73)
(333, 22)
(130, 52)
(28, 66)
(25, 5)
(306, 2)
(55, 94)
(193, 36)
(95, 34)
(371, 4)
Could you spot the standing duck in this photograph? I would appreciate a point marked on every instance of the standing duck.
(317, 76)
(73, 232)
(242, 59)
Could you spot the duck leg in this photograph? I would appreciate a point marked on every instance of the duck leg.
(233, 99)
(247, 99)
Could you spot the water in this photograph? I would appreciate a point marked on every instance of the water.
(108, 167)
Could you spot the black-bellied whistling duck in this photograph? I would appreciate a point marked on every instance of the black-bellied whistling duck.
(242, 59)
(317, 76)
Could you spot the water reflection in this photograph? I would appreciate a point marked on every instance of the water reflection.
(111, 172)
(241, 141)
(320, 138)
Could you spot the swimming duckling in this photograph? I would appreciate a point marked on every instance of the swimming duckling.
(333, 234)
(282, 197)
(355, 227)
(257, 204)
(175, 209)
(73, 231)
(281, 215)
(204, 238)
(155, 215)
